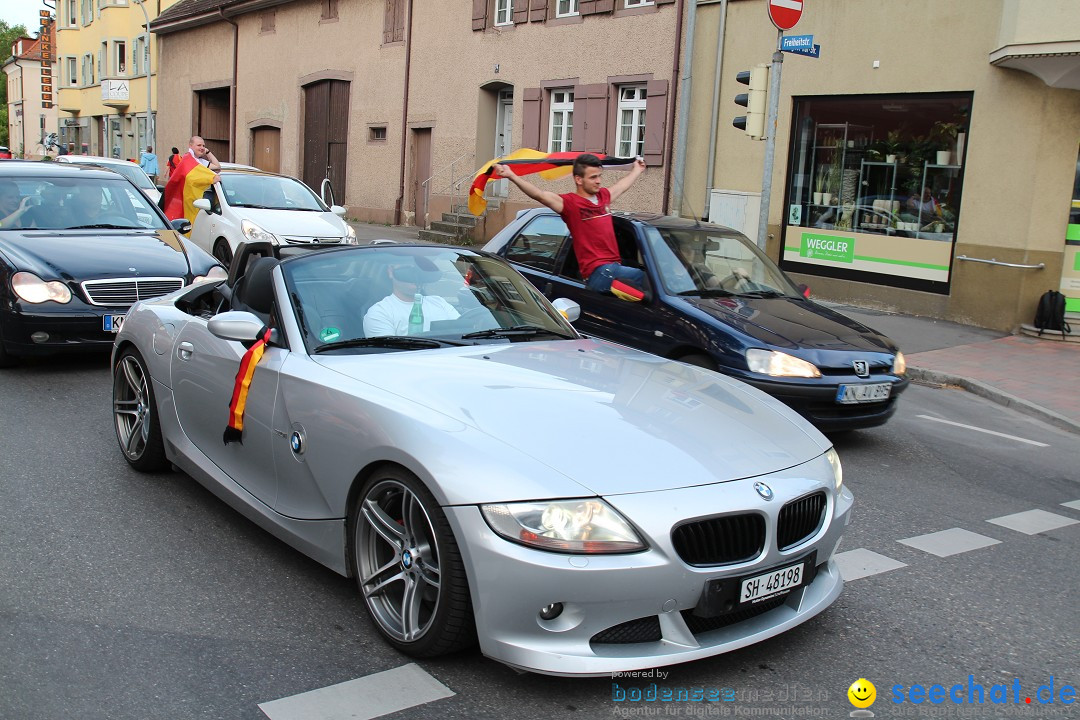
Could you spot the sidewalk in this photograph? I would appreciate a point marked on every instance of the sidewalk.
(1031, 375)
(1034, 376)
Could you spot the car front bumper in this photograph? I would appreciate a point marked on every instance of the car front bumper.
(817, 401)
(605, 596)
(75, 329)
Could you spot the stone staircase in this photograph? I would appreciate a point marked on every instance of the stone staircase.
(459, 227)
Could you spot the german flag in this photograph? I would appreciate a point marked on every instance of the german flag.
(234, 432)
(186, 184)
(526, 162)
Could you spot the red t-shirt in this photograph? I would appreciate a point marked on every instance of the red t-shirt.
(591, 230)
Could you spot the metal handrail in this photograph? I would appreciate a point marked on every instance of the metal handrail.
(455, 182)
(994, 261)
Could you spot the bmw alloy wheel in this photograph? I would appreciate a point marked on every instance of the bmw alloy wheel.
(137, 428)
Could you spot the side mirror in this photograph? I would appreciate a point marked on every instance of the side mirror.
(338, 210)
(237, 325)
(181, 225)
(568, 309)
(202, 204)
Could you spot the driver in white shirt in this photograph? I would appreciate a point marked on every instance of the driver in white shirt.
(390, 316)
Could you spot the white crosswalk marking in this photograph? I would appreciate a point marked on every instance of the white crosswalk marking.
(860, 563)
(368, 697)
(949, 542)
(1075, 504)
(1033, 522)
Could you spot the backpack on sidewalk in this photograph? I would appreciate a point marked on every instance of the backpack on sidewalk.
(1050, 313)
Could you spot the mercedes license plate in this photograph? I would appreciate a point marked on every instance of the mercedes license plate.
(775, 582)
(112, 323)
(871, 392)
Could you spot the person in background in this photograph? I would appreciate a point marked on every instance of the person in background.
(171, 163)
(148, 162)
(197, 149)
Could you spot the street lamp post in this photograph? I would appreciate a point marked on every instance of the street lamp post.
(150, 137)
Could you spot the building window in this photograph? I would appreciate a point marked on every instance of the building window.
(71, 68)
(631, 128)
(87, 70)
(566, 8)
(86, 11)
(394, 21)
(561, 127)
(377, 133)
(874, 187)
(504, 12)
(71, 10)
(638, 3)
(329, 10)
(120, 58)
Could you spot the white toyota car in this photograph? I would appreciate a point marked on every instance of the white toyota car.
(250, 205)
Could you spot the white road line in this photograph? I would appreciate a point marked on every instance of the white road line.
(860, 563)
(1033, 522)
(1075, 504)
(364, 698)
(949, 542)
(984, 430)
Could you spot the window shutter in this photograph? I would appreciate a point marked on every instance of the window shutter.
(655, 121)
(399, 20)
(521, 11)
(479, 14)
(586, 7)
(590, 118)
(538, 11)
(530, 127)
(388, 22)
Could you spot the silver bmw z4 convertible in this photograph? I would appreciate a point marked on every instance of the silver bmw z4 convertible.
(420, 418)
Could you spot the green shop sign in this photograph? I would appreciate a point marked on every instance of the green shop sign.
(827, 247)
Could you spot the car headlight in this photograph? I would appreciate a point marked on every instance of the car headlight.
(215, 273)
(837, 469)
(254, 233)
(778, 364)
(33, 289)
(899, 364)
(590, 526)
(350, 234)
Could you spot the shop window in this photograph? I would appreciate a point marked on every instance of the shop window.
(874, 187)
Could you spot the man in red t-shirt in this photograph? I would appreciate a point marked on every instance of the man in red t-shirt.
(587, 213)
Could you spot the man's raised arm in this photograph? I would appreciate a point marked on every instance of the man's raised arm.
(627, 180)
(552, 200)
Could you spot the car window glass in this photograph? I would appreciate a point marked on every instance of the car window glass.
(72, 202)
(269, 192)
(538, 244)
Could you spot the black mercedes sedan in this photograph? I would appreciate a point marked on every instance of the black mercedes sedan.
(713, 299)
(78, 246)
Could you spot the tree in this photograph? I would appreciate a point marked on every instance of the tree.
(8, 35)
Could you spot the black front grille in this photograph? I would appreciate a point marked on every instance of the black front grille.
(720, 540)
(125, 291)
(646, 629)
(800, 520)
(700, 625)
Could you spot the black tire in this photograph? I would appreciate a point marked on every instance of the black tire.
(222, 252)
(700, 360)
(135, 414)
(402, 552)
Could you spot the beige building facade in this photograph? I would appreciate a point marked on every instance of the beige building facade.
(32, 116)
(398, 104)
(926, 162)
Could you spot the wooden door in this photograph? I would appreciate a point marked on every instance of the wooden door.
(326, 135)
(266, 148)
(212, 121)
(421, 171)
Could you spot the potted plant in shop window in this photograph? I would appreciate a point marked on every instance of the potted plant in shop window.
(819, 183)
(945, 133)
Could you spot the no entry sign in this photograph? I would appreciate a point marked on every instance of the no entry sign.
(785, 13)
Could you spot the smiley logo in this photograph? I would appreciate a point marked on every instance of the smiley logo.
(862, 693)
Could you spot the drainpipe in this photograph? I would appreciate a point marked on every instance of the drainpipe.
(671, 106)
(404, 117)
(684, 108)
(711, 163)
(232, 86)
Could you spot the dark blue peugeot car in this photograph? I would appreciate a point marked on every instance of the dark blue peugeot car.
(713, 299)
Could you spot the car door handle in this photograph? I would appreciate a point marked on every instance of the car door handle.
(185, 350)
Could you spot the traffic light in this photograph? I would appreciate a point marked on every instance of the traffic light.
(755, 102)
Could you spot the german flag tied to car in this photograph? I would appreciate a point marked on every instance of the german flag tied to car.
(235, 430)
(187, 183)
(526, 161)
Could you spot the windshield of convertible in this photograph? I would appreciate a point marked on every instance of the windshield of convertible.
(79, 201)
(706, 261)
(395, 297)
(269, 192)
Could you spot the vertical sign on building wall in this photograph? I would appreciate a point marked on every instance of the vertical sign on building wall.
(46, 59)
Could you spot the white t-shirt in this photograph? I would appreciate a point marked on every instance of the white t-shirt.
(201, 160)
(390, 316)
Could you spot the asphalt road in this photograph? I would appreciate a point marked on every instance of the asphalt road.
(131, 596)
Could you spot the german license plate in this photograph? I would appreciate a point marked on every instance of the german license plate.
(112, 323)
(772, 583)
(870, 392)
